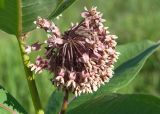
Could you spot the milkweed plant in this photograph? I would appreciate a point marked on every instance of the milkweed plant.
(86, 65)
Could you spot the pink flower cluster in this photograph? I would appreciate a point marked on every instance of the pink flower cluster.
(82, 58)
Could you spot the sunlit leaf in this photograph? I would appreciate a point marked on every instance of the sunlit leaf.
(62, 5)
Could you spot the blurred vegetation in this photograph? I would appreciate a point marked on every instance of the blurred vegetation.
(130, 20)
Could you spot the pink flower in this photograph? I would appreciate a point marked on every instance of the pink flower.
(39, 65)
(34, 47)
(82, 58)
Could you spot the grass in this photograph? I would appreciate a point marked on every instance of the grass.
(130, 20)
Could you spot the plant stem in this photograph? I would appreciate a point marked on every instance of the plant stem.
(26, 61)
(30, 79)
(65, 103)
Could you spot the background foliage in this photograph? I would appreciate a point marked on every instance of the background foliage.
(131, 20)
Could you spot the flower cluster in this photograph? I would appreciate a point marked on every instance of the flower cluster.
(82, 58)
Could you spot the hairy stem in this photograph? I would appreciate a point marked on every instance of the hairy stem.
(65, 103)
(30, 79)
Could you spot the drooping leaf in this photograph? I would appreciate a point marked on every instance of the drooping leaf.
(19, 15)
(133, 58)
(119, 104)
(54, 103)
(8, 104)
(62, 5)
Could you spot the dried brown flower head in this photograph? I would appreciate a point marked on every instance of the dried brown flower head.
(82, 58)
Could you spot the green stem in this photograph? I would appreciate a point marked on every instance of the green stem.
(25, 59)
(30, 79)
(65, 103)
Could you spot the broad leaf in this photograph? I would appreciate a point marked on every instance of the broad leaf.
(16, 16)
(133, 58)
(119, 104)
(8, 104)
(62, 5)
(9, 16)
(54, 103)
(31, 9)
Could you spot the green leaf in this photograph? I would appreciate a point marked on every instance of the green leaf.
(133, 57)
(8, 104)
(54, 103)
(9, 16)
(17, 17)
(62, 5)
(31, 9)
(120, 104)
(130, 50)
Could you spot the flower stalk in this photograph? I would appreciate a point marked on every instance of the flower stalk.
(65, 102)
(30, 79)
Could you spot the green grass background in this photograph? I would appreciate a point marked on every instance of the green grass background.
(130, 20)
